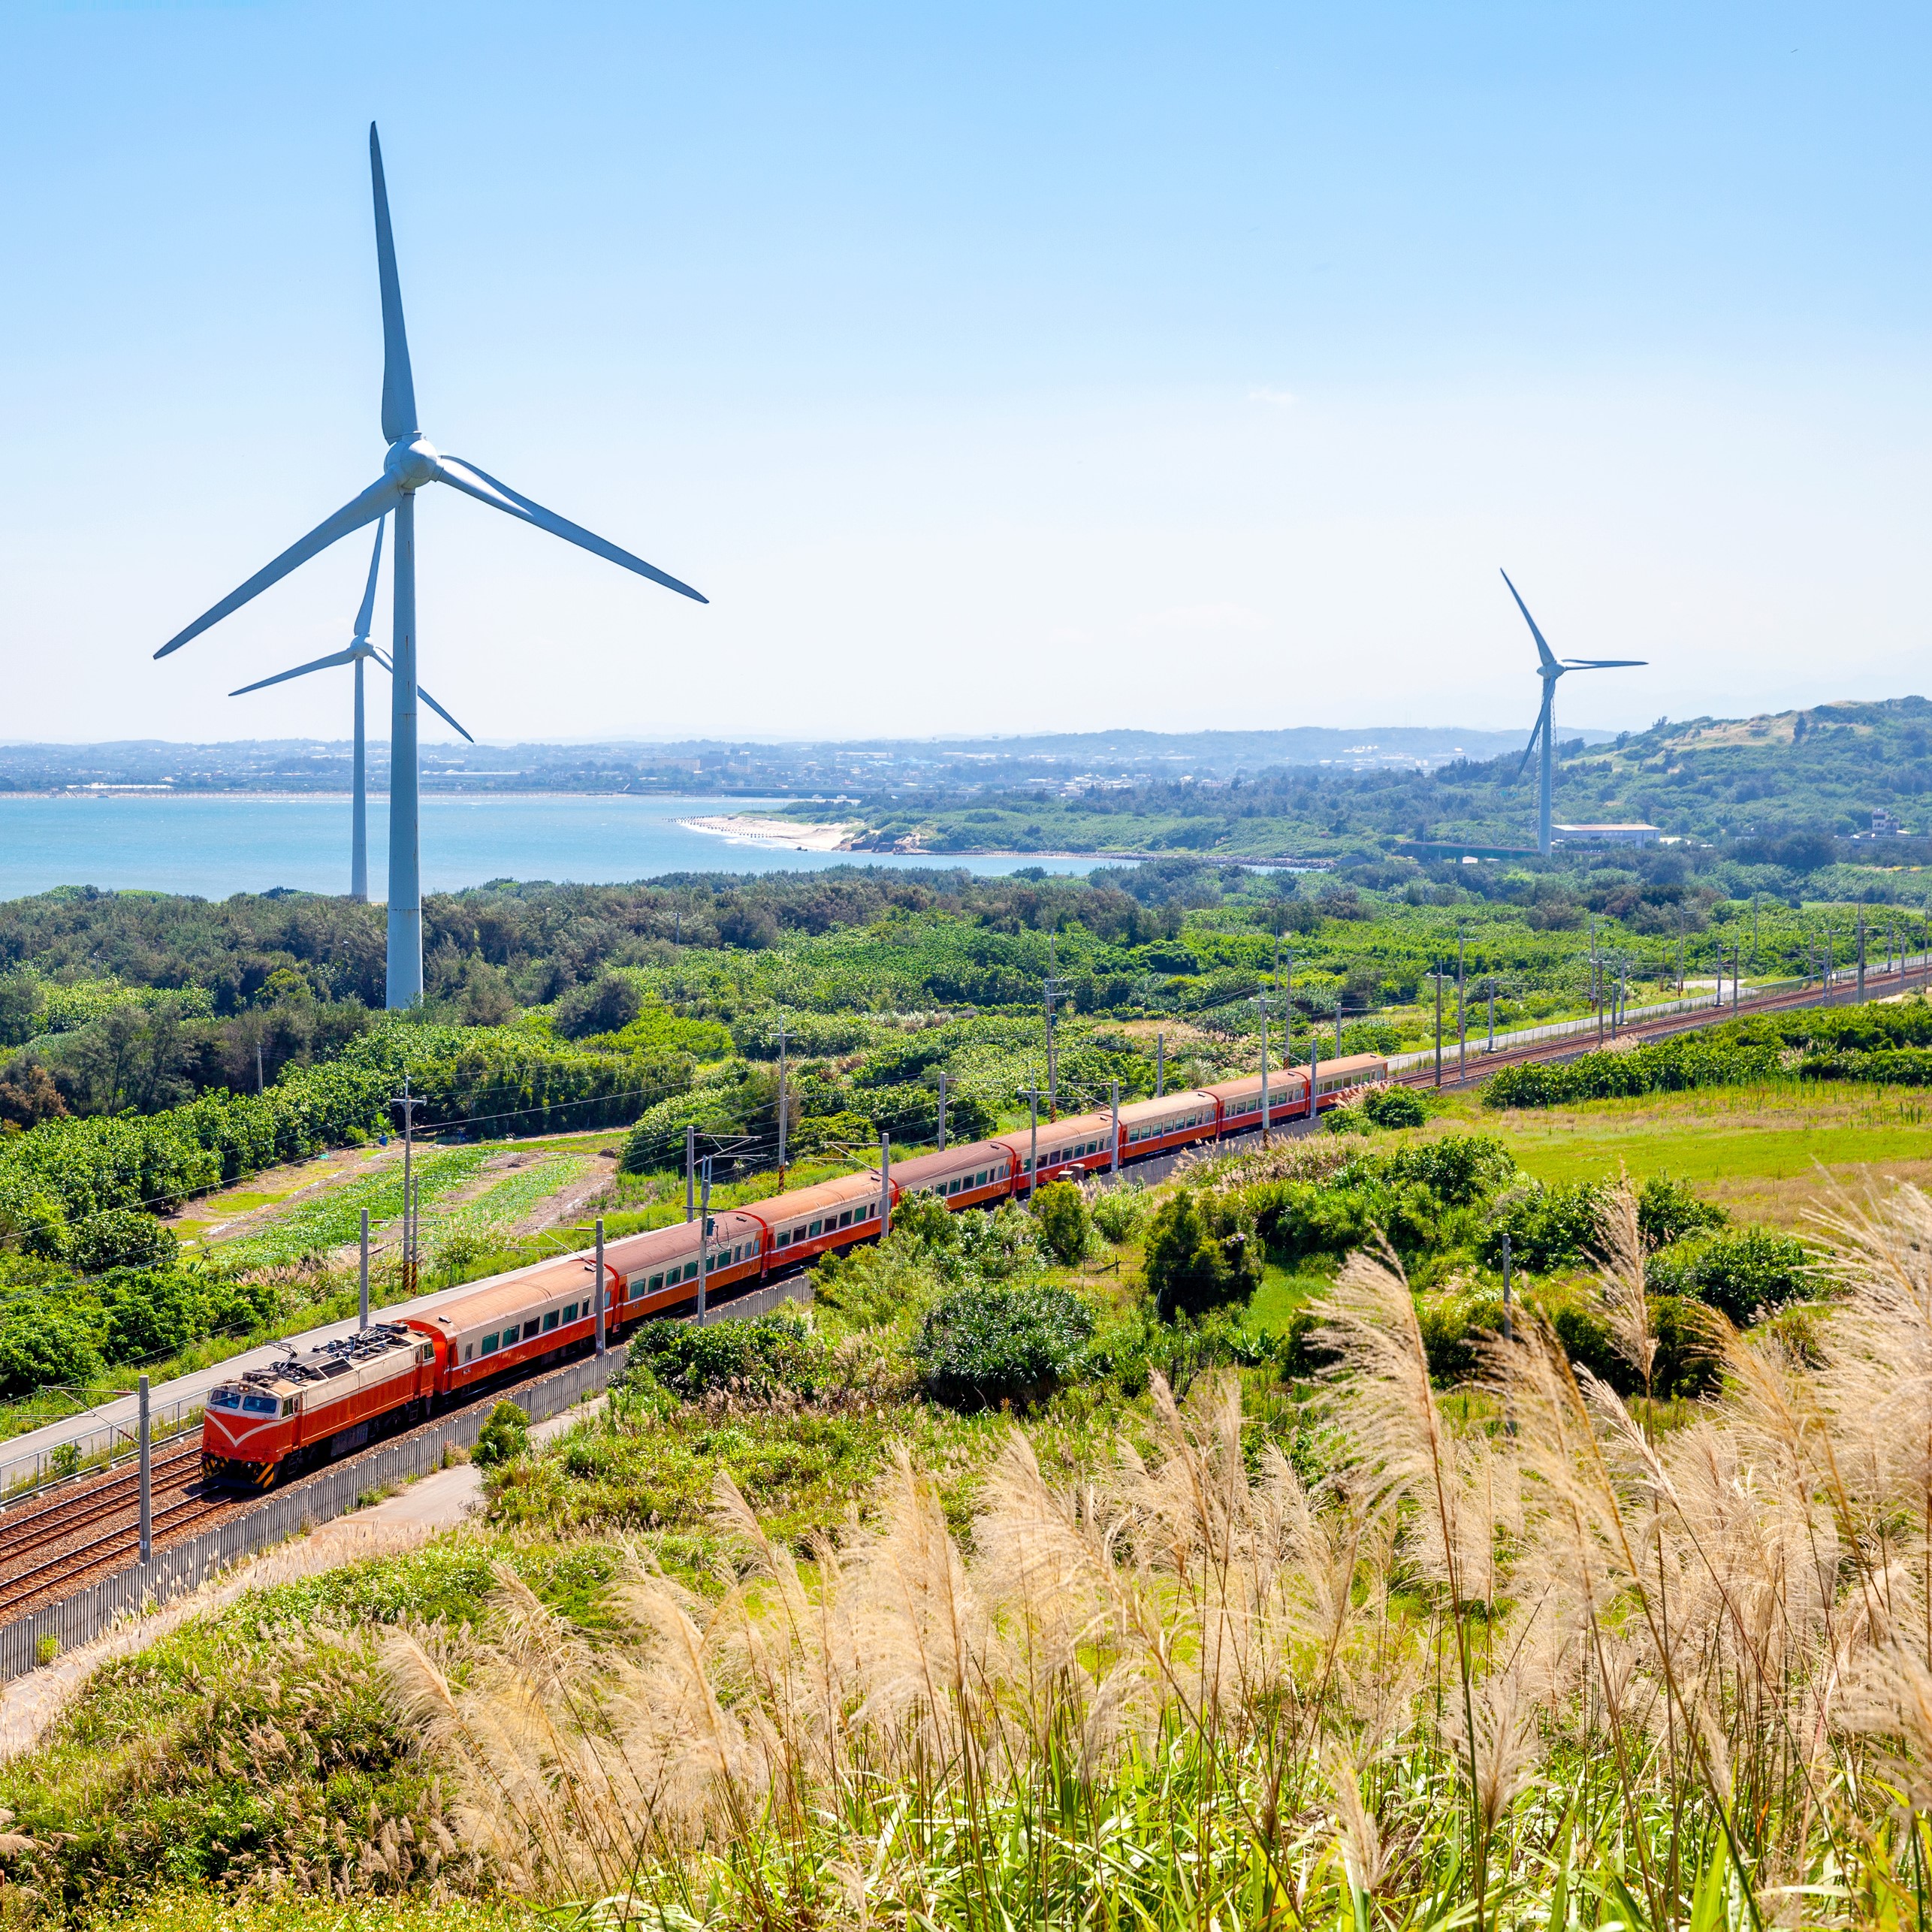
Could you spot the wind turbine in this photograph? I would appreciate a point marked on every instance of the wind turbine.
(1550, 670)
(411, 463)
(359, 652)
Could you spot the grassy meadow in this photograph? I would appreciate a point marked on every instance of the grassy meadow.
(1082, 1568)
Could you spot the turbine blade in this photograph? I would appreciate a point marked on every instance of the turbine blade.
(1530, 747)
(1543, 651)
(366, 615)
(380, 496)
(300, 671)
(441, 713)
(399, 386)
(473, 482)
(1601, 663)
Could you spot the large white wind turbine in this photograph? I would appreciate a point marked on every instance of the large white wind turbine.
(411, 463)
(359, 652)
(1549, 670)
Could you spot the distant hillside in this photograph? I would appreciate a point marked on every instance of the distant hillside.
(1817, 774)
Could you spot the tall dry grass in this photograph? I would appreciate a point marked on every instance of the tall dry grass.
(1551, 1671)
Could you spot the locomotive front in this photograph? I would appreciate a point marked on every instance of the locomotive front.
(249, 1428)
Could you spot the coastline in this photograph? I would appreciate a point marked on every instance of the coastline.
(748, 829)
(798, 835)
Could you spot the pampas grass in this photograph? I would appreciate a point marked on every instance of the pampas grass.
(1469, 1672)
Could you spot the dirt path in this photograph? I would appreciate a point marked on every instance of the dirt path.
(444, 1500)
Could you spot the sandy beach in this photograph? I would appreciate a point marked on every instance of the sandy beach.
(747, 828)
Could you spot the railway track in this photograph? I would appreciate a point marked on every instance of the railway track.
(24, 1531)
(1878, 985)
(72, 1566)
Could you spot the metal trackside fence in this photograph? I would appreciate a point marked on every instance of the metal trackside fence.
(186, 1566)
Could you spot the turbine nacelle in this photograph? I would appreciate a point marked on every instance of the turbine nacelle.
(412, 462)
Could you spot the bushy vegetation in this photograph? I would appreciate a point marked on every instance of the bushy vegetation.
(990, 1345)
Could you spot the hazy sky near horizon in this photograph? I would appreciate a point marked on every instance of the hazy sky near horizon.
(990, 368)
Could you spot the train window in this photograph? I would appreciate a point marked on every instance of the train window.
(550, 1321)
(226, 1399)
(845, 1219)
(490, 1343)
(530, 1327)
(690, 1271)
(813, 1232)
(570, 1310)
(259, 1405)
(657, 1281)
(470, 1351)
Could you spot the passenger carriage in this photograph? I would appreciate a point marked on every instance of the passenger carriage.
(333, 1399)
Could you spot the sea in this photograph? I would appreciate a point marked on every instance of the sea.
(214, 844)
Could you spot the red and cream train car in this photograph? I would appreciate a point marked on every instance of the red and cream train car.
(266, 1423)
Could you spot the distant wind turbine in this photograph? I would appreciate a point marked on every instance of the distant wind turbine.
(359, 652)
(411, 462)
(1550, 670)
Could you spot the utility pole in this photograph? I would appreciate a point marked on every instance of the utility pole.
(1261, 1000)
(690, 1172)
(1680, 949)
(1338, 1026)
(363, 1274)
(408, 1102)
(597, 1301)
(1596, 981)
(1462, 1019)
(1736, 976)
(1031, 1094)
(1493, 1012)
(1438, 1025)
(1861, 956)
(781, 1101)
(1506, 1335)
(1754, 932)
(1314, 1071)
(261, 1086)
(1052, 1058)
(1114, 1144)
(942, 1109)
(147, 1472)
(1159, 1063)
(885, 1185)
(704, 1238)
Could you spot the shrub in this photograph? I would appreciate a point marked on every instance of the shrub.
(120, 1238)
(505, 1435)
(1120, 1211)
(1669, 1211)
(1455, 1324)
(758, 1358)
(833, 1130)
(47, 1342)
(607, 1005)
(1743, 1275)
(1393, 1107)
(1199, 1256)
(981, 1346)
(152, 1311)
(999, 1244)
(1548, 1228)
(1065, 1224)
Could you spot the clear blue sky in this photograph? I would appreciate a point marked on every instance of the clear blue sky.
(1000, 367)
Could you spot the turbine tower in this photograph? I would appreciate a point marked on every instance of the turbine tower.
(1550, 670)
(411, 462)
(359, 652)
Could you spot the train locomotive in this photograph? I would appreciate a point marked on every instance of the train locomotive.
(266, 1424)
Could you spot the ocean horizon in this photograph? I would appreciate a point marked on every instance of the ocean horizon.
(214, 844)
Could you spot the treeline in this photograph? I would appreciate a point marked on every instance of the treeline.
(495, 1080)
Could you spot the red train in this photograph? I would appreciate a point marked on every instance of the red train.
(269, 1422)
